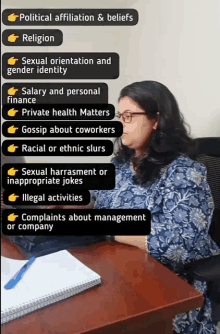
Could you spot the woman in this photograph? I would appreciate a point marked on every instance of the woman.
(154, 172)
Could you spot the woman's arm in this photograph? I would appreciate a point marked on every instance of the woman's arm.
(181, 216)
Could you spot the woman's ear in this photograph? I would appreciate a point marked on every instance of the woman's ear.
(157, 120)
(155, 125)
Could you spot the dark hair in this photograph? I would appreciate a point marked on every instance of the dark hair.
(169, 140)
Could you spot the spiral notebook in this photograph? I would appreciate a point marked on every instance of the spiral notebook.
(50, 278)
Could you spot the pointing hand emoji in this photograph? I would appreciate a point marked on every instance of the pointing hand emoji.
(12, 129)
(12, 112)
(12, 197)
(12, 171)
(12, 61)
(12, 148)
(12, 91)
(12, 217)
(12, 17)
(12, 38)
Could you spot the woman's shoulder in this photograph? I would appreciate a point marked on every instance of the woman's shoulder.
(182, 164)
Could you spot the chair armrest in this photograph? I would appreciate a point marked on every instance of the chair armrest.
(204, 269)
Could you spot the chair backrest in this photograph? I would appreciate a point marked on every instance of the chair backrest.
(208, 153)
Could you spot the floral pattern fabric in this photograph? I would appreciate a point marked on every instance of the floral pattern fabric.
(181, 208)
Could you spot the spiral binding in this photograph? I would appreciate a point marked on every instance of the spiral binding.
(35, 304)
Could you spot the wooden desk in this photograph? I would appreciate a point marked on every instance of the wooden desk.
(137, 293)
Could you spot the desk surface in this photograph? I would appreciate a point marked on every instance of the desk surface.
(136, 292)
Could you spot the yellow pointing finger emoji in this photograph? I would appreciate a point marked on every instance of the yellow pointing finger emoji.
(12, 217)
(12, 38)
(12, 61)
(12, 129)
(12, 171)
(12, 148)
(12, 112)
(12, 197)
(12, 17)
(12, 91)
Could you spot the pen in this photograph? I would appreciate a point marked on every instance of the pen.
(18, 276)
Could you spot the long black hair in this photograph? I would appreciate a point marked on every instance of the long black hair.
(169, 139)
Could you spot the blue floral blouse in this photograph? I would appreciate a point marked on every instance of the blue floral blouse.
(181, 208)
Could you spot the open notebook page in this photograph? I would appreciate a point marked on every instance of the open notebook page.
(48, 275)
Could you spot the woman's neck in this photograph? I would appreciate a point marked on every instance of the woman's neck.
(142, 153)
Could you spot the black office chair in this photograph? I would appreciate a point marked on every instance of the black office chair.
(208, 153)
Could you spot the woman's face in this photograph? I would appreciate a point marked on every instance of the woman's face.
(136, 134)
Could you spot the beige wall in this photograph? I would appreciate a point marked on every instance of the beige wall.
(176, 42)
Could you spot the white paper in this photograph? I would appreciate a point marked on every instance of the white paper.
(48, 275)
